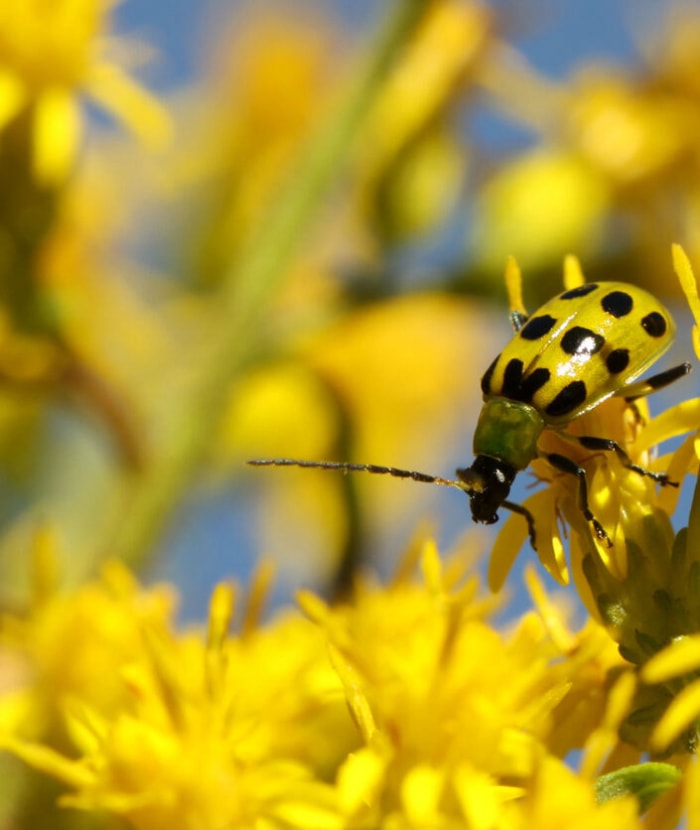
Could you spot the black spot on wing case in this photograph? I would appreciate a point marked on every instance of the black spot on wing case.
(579, 348)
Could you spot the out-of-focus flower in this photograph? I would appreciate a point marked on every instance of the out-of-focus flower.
(182, 729)
(539, 207)
(402, 366)
(50, 54)
(101, 622)
(247, 123)
(386, 384)
(449, 734)
(56, 296)
(410, 162)
(402, 705)
(615, 171)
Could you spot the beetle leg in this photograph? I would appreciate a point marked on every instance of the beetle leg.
(566, 465)
(641, 388)
(608, 445)
(529, 518)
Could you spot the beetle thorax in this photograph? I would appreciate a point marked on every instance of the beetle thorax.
(508, 431)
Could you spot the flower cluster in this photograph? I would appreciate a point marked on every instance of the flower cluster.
(270, 271)
(405, 707)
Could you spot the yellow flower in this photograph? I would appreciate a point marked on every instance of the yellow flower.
(514, 210)
(410, 164)
(453, 715)
(628, 133)
(589, 659)
(614, 142)
(424, 715)
(101, 621)
(198, 731)
(50, 53)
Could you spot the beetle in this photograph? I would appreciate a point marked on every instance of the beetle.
(587, 344)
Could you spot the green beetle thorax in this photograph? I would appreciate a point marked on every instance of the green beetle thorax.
(508, 430)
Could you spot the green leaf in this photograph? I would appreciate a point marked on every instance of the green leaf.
(644, 781)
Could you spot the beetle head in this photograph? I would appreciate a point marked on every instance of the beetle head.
(487, 482)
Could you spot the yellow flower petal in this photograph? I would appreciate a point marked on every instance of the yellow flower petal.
(86, 728)
(421, 790)
(514, 286)
(682, 656)
(313, 606)
(514, 532)
(675, 421)
(480, 797)
(683, 460)
(257, 595)
(360, 780)
(551, 615)
(505, 550)
(573, 273)
(684, 709)
(307, 816)
(73, 773)
(684, 271)
(13, 96)
(220, 613)
(432, 568)
(131, 104)
(57, 127)
(604, 739)
(356, 698)
(691, 787)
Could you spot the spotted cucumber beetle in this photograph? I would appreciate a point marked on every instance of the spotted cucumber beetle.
(580, 348)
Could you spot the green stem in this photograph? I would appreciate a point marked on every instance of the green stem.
(247, 287)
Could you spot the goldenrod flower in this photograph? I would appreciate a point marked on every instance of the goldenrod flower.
(101, 621)
(191, 730)
(52, 53)
(454, 716)
(410, 164)
(514, 207)
(424, 713)
(675, 669)
(614, 142)
(406, 705)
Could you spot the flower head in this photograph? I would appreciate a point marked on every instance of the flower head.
(51, 53)
(453, 715)
(181, 728)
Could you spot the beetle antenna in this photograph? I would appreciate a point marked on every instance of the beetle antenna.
(360, 468)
